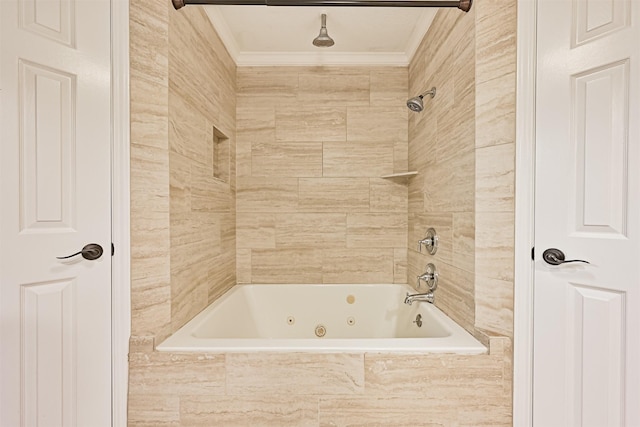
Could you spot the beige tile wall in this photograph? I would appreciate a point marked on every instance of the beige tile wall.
(312, 144)
(202, 208)
(463, 145)
(183, 219)
(150, 219)
(495, 164)
(297, 204)
(442, 150)
(301, 389)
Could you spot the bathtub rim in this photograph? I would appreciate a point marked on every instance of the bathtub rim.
(460, 342)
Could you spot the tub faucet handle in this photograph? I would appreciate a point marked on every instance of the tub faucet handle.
(430, 277)
(430, 242)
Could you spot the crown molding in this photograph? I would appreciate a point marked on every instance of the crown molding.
(222, 28)
(417, 35)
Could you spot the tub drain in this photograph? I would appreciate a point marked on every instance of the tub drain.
(320, 331)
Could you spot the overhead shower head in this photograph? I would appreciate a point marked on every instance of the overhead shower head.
(323, 39)
(415, 104)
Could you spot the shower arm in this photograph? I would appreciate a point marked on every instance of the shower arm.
(431, 92)
(464, 5)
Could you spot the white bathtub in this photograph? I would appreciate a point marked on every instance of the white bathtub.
(354, 318)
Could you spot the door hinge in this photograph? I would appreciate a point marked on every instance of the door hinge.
(113, 249)
(533, 253)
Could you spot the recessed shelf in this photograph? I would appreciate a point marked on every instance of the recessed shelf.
(221, 155)
(405, 175)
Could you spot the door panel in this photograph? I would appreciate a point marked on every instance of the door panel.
(595, 354)
(49, 346)
(586, 323)
(53, 19)
(597, 18)
(601, 110)
(55, 329)
(47, 147)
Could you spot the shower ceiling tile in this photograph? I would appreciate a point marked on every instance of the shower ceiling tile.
(260, 35)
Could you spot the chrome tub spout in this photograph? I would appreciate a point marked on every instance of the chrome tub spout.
(428, 297)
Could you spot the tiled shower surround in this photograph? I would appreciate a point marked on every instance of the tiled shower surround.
(182, 216)
(312, 144)
(304, 203)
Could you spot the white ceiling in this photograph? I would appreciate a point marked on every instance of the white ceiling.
(280, 35)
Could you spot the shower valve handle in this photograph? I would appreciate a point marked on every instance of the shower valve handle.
(430, 277)
(430, 242)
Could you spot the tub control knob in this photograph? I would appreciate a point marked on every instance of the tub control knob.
(430, 242)
(430, 277)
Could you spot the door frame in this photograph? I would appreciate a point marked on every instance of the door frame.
(524, 212)
(120, 211)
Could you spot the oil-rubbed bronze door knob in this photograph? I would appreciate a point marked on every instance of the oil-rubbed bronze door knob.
(555, 256)
(91, 251)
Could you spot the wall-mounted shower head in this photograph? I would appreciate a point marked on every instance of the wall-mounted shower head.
(323, 39)
(415, 104)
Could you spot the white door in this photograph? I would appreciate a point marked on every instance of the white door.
(587, 316)
(55, 330)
